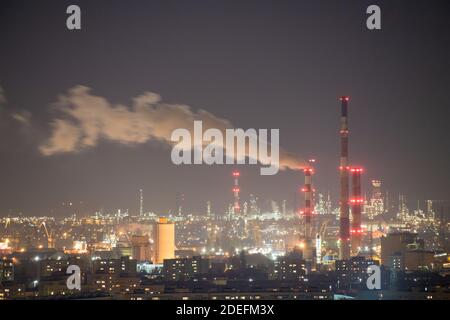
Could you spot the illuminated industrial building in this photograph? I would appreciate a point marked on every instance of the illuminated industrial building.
(164, 234)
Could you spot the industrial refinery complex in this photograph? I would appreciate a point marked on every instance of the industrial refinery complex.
(319, 249)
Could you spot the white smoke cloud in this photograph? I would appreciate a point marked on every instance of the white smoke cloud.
(86, 119)
(65, 138)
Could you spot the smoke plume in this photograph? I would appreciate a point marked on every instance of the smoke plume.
(85, 119)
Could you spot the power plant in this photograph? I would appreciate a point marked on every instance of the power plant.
(310, 250)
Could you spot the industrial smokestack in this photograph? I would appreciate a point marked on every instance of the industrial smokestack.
(344, 249)
(179, 204)
(236, 206)
(356, 202)
(308, 212)
(141, 202)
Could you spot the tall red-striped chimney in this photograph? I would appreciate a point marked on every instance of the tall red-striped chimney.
(308, 212)
(344, 249)
(356, 202)
(236, 190)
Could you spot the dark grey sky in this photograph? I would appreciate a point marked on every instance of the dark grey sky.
(259, 64)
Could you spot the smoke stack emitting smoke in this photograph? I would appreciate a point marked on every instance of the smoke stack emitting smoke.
(87, 119)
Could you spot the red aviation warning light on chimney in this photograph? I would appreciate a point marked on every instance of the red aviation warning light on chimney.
(308, 211)
(356, 202)
(236, 190)
(344, 248)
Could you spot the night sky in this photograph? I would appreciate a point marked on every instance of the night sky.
(258, 64)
